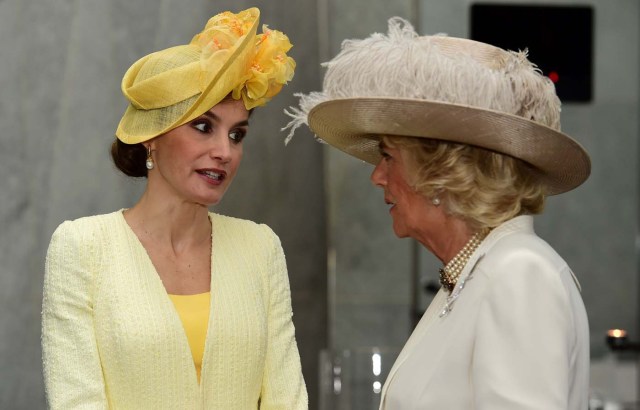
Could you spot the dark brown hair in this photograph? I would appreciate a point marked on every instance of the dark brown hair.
(130, 158)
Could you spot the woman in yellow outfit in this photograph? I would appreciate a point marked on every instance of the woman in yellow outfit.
(166, 305)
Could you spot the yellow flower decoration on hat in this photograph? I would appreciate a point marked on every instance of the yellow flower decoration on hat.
(219, 36)
(270, 67)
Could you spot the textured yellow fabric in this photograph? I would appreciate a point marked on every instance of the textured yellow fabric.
(194, 314)
(111, 337)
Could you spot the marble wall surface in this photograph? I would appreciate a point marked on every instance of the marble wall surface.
(60, 69)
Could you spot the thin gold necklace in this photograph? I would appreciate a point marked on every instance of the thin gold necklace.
(449, 274)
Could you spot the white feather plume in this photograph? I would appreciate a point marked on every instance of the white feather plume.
(402, 64)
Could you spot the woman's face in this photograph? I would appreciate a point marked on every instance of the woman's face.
(197, 161)
(413, 214)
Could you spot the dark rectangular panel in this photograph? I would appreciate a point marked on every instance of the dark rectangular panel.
(559, 40)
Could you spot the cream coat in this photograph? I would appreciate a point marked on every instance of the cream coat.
(516, 338)
(112, 338)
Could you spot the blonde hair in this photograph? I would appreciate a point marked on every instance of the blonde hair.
(482, 187)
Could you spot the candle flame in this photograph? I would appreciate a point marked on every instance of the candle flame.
(617, 333)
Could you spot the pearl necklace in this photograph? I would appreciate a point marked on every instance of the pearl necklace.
(450, 273)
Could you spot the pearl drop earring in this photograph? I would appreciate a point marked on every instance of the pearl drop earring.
(149, 162)
(435, 201)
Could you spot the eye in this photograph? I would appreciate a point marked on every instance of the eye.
(203, 126)
(237, 135)
(382, 150)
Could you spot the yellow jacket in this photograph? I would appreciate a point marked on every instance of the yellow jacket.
(112, 339)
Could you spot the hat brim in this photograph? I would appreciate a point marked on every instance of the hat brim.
(354, 126)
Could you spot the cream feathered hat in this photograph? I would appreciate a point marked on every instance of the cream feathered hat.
(444, 88)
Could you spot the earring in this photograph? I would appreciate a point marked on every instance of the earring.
(436, 201)
(149, 162)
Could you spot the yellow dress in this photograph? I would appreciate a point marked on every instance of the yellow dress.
(194, 314)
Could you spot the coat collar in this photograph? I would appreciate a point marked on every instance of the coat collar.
(522, 223)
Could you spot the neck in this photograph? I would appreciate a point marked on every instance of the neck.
(453, 235)
(450, 273)
(169, 222)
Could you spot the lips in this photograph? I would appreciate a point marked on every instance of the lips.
(390, 203)
(214, 175)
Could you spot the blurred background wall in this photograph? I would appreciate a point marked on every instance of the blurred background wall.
(355, 287)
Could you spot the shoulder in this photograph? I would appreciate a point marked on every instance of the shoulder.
(524, 248)
(76, 247)
(518, 254)
(241, 229)
(250, 242)
(87, 229)
(88, 225)
(515, 242)
(523, 283)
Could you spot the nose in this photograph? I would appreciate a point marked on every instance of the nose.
(221, 149)
(378, 176)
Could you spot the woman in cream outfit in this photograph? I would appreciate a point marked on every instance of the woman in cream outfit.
(166, 305)
(465, 138)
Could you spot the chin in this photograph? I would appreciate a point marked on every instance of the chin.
(400, 233)
(210, 198)
(212, 202)
(207, 200)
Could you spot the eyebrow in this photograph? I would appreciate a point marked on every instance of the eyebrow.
(215, 118)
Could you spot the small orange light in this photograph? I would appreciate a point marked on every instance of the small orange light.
(617, 333)
(554, 77)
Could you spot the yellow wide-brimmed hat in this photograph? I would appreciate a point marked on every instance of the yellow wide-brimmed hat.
(444, 88)
(171, 87)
